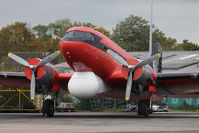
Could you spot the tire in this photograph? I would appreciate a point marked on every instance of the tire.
(48, 108)
(143, 108)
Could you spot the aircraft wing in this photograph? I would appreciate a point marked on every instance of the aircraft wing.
(18, 79)
(178, 83)
(62, 80)
(14, 79)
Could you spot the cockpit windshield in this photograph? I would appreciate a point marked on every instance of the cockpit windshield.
(77, 35)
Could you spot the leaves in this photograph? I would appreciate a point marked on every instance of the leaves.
(186, 45)
(104, 31)
(20, 37)
(15, 37)
(132, 34)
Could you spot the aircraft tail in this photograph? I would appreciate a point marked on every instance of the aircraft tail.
(157, 64)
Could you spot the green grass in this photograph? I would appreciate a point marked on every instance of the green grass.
(183, 110)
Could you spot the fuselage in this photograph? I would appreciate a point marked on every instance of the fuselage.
(85, 50)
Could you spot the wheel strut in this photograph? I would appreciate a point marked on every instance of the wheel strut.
(48, 106)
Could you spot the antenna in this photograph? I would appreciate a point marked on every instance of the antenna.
(54, 37)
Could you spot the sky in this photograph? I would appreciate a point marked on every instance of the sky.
(176, 18)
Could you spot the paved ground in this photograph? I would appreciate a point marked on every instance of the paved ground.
(99, 122)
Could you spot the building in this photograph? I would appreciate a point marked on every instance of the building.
(175, 61)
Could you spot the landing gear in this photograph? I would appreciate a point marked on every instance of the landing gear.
(48, 106)
(145, 106)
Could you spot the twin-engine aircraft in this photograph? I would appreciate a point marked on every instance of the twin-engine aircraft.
(100, 67)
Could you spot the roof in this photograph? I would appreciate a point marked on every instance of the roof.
(173, 59)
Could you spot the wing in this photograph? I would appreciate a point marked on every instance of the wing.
(62, 80)
(14, 79)
(178, 83)
(18, 79)
(117, 79)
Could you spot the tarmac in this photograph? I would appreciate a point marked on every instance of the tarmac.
(100, 122)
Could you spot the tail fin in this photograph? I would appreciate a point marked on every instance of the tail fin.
(157, 64)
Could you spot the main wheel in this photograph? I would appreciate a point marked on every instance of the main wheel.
(48, 108)
(143, 108)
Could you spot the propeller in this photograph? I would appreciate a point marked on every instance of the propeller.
(33, 68)
(131, 68)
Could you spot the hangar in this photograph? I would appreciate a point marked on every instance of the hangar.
(175, 61)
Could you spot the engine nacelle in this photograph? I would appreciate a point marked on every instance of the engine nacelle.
(86, 85)
(144, 78)
(49, 74)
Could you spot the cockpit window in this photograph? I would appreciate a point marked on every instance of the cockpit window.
(77, 35)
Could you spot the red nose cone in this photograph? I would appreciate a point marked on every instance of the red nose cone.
(40, 70)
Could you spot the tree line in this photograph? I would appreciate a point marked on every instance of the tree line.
(132, 34)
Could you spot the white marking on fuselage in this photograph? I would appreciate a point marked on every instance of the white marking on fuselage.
(186, 57)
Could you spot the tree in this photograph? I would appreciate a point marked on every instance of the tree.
(85, 24)
(133, 35)
(41, 32)
(186, 45)
(15, 38)
(59, 28)
(19, 37)
(103, 31)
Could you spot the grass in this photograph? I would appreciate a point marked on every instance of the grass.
(183, 110)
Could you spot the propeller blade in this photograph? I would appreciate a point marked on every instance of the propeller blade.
(19, 59)
(129, 86)
(32, 86)
(117, 57)
(148, 61)
(48, 59)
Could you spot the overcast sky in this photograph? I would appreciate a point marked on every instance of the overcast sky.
(177, 18)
